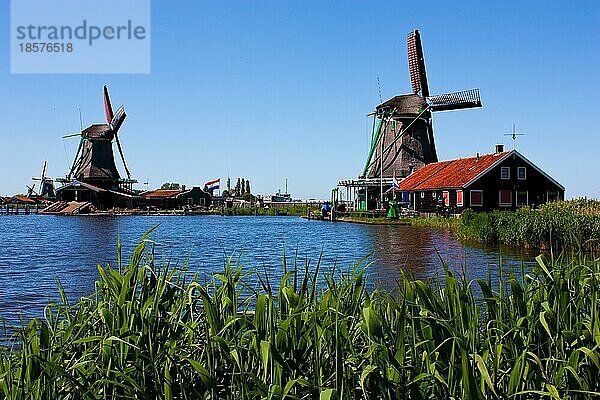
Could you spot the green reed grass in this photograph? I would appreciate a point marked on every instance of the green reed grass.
(287, 209)
(153, 331)
(572, 224)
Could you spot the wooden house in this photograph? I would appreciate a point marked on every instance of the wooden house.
(101, 198)
(173, 199)
(504, 180)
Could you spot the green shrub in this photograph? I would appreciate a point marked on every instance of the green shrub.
(573, 224)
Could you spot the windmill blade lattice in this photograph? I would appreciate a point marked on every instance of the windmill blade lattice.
(416, 64)
(455, 101)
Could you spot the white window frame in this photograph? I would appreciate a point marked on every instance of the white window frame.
(471, 198)
(422, 195)
(526, 198)
(524, 169)
(507, 170)
(462, 195)
(500, 203)
(434, 195)
(446, 196)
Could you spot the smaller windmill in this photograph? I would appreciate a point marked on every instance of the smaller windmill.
(46, 184)
(31, 191)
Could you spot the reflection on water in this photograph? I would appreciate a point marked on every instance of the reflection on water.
(36, 252)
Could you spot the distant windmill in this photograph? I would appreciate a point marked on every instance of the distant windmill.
(404, 141)
(94, 161)
(31, 190)
(46, 184)
(514, 135)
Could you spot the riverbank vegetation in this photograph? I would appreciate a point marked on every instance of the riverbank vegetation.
(299, 210)
(573, 224)
(151, 331)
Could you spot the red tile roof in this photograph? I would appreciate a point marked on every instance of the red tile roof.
(21, 199)
(162, 193)
(450, 174)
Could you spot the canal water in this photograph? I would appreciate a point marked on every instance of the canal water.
(37, 251)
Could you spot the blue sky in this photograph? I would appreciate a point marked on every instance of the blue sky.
(269, 90)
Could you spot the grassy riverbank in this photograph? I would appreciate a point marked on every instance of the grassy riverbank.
(151, 332)
(299, 210)
(573, 224)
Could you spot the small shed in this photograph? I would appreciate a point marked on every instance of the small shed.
(194, 197)
(503, 180)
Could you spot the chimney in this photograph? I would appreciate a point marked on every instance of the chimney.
(183, 187)
(499, 148)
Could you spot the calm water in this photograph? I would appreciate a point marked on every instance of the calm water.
(37, 251)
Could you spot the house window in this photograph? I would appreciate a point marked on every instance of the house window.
(522, 198)
(190, 201)
(459, 198)
(522, 173)
(422, 195)
(505, 173)
(505, 198)
(553, 196)
(476, 198)
(433, 194)
(202, 201)
(446, 198)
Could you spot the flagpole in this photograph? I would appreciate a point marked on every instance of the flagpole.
(381, 176)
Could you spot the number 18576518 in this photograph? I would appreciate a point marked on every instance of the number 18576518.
(46, 47)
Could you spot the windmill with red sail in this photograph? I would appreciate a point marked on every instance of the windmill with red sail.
(94, 161)
(94, 168)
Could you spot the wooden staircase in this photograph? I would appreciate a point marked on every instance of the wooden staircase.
(68, 208)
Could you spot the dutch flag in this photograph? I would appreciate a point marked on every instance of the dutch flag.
(396, 183)
(212, 185)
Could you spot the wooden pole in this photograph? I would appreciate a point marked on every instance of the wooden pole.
(381, 175)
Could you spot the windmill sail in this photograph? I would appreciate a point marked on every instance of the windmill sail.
(455, 101)
(107, 106)
(416, 64)
(118, 119)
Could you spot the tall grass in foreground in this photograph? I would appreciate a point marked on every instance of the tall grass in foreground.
(150, 332)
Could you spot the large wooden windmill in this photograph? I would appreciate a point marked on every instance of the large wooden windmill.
(94, 161)
(403, 139)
